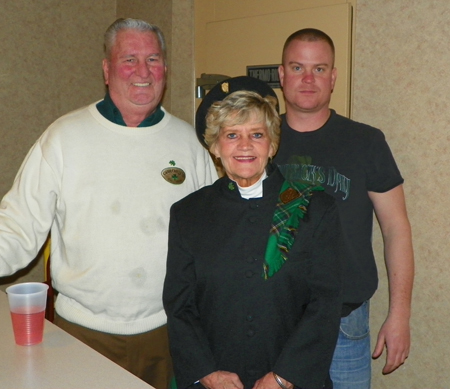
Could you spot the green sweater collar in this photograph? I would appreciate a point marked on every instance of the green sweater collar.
(109, 111)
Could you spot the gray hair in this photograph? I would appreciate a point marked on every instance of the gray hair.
(237, 108)
(131, 24)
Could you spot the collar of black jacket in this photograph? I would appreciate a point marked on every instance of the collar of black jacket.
(271, 185)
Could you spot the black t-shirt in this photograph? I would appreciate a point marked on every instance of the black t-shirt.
(348, 159)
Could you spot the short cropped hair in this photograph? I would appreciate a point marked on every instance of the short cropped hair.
(131, 24)
(236, 109)
(308, 35)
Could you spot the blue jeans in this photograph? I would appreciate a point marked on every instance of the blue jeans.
(351, 368)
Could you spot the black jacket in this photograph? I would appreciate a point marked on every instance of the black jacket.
(223, 315)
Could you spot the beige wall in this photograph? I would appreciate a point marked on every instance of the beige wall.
(50, 64)
(401, 85)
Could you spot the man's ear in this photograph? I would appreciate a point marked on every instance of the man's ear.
(281, 74)
(105, 67)
(333, 78)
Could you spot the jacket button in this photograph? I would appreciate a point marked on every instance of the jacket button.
(249, 317)
(250, 333)
(249, 274)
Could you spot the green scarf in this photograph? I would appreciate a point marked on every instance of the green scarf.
(292, 206)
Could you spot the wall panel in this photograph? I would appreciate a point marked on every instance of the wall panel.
(401, 79)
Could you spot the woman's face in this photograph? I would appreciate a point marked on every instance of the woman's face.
(244, 150)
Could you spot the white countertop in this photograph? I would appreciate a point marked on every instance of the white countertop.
(59, 362)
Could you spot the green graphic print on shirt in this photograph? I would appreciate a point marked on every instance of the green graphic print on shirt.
(301, 168)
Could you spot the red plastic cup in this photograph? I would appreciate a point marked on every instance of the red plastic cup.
(27, 305)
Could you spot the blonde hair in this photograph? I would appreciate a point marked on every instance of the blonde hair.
(236, 109)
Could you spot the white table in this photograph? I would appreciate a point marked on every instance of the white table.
(59, 362)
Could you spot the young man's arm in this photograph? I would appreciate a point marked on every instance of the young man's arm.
(390, 210)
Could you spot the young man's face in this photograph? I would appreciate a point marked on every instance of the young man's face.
(307, 76)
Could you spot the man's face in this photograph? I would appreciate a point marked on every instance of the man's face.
(135, 72)
(307, 76)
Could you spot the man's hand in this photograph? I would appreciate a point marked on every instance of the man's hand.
(395, 335)
(222, 380)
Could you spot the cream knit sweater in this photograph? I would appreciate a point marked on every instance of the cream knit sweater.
(100, 188)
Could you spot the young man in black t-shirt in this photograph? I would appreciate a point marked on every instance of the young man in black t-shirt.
(353, 162)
